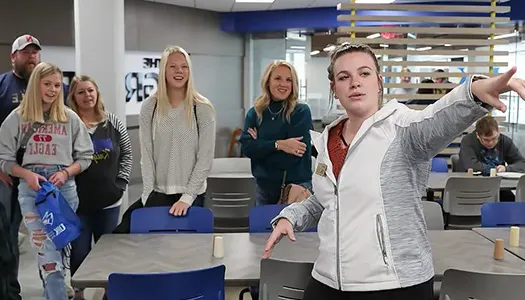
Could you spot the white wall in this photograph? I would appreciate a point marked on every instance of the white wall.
(265, 51)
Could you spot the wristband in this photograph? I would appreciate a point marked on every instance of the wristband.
(67, 173)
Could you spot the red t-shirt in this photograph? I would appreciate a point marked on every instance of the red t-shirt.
(337, 147)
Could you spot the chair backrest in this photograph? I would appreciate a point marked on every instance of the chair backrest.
(159, 220)
(230, 199)
(456, 166)
(503, 214)
(520, 190)
(463, 285)
(464, 196)
(433, 215)
(439, 164)
(226, 165)
(236, 134)
(196, 284)
(260, 217)
(283, 279)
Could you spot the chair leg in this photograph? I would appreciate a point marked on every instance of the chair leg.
(244, 291)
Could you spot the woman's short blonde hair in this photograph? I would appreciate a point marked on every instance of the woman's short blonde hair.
(263, 101)
(100, 111)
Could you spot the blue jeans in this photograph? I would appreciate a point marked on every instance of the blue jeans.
(49, 259)
(270, 195)
(14, 218)
(94, 225)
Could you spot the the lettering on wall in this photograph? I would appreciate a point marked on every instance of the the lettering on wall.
(140, 79)
(140, 85)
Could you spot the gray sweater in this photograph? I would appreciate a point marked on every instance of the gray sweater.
(176, 157)
(52, 144)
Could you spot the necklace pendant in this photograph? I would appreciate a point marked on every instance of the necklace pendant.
(273, 118)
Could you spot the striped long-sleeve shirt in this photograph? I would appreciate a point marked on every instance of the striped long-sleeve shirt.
(103, 183)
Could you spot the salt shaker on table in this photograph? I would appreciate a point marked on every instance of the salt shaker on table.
(218, 246)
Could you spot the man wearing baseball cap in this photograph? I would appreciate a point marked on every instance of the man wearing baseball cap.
(25, 55)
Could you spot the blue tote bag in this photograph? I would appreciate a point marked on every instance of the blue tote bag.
(61, 223)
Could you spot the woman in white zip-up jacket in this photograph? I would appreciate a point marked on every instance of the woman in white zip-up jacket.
(372, 169)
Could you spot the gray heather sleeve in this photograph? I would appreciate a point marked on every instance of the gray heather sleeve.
(82, 145)
(206, 119)
(9, 132)
(146, 147)
(303, 215)
(425, 133)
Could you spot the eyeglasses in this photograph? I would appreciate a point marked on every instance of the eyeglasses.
(488, 140)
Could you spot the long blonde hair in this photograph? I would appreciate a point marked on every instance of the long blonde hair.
(191, 94)
(262, 102)
(100, 111)
(31, 106)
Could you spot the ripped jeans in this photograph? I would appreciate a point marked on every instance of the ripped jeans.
(49, 259)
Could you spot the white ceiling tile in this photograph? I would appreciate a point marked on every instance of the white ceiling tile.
(215, 5)
(291, 4)
(188, 3)
(251, 6)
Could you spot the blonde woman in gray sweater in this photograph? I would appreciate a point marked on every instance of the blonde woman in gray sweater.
(177, 137)
(58, 148)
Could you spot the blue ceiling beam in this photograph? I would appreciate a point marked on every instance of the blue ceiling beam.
(326, 17)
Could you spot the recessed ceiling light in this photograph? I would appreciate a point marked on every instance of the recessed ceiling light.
(254, 1)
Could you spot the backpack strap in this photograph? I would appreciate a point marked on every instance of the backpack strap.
(194, 113)
(196, 119)
(25, 139)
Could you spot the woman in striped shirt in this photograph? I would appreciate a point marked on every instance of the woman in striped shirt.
(101, 186)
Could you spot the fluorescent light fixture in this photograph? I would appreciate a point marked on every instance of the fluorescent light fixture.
(411, 48)
(383, 45)
(373, 36)
(254, 1)
(329, 48)
(412, 36)
(447, 45)
(504, 36)
(423, 48)
(297, 47)
(375, 1)
(315, 52)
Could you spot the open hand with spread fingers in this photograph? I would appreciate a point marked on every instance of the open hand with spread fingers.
(488, 90)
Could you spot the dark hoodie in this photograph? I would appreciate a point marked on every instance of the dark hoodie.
(473, 155)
